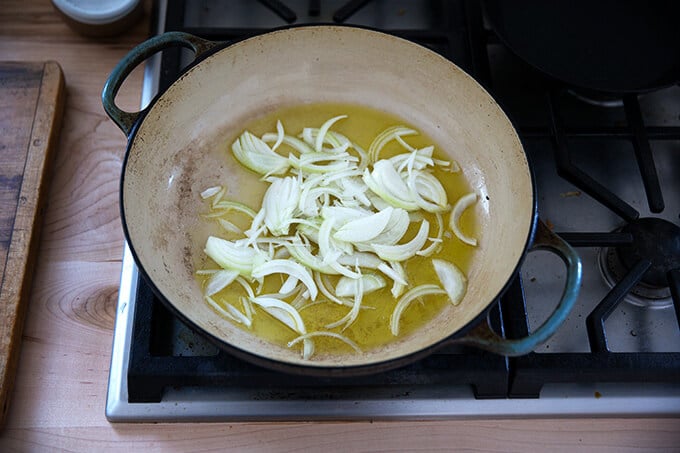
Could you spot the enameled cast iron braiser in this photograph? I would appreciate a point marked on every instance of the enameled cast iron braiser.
(175, 150)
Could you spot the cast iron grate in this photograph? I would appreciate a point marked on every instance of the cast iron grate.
(529, 373)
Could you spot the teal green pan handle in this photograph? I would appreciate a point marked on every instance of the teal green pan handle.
(126, 120)
(483, 337)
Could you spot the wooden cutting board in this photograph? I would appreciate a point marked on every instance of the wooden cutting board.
(31, 106)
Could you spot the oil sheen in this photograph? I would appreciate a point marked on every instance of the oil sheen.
(372, 327)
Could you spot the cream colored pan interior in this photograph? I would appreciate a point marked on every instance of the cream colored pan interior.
(180, 149)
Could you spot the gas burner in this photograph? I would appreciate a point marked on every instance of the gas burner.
(656, 240)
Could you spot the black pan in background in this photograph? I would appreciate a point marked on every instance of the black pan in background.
(601, 45)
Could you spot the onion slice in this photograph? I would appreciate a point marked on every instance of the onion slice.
(321, 333)
(210, 191)
(220, 280)
(295, 143)
(461, 205)
(452, 279)
(348, 287)
(365, 228)
(402, 252)
(406, 299)
(229, 312)
(256, 155)
(318, 143)
(290, 268)
(386, 136)
(280, 204)
(436, 241)
(385, 182)
(228, 255)
(350, 317)
(282, 311)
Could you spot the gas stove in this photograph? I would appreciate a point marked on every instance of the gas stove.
(618, 353)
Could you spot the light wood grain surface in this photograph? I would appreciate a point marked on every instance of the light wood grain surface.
(31, 104)
(59, 396)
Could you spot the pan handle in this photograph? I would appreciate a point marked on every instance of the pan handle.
(485, 338)
(126, 120)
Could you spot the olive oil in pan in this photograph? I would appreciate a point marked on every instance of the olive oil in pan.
(372, 327)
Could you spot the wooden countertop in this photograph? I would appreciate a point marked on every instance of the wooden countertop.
(60, 390)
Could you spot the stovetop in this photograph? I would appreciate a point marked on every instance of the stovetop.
(617, 354)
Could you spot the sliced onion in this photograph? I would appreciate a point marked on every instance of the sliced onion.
(386, 136)
(256, 155)
(288, 286)
(307, 348)
(304, 256)
(280, 133)
(395, 274)
(298, 145)
(334, 139)
(326, 292)
(362, 259)
(249, 290)
(313, 162)
(403, 143)
(356, 188)
(209, 192)
(247, 307)
(406, 299)
(329, 213)
(461, 205)
(427, 191)
(348, 287)
(289, 268)
(234, 206)
(403, 252)
(282, 311)
(436, 241)
(342, 215)
(230, 256)
(376, 201)
(350, 317)
(365, 228)
(399, 285)
(300, 300)
(207, 271)
(395, 230)
(220, 280)
(229, 311)
(280, 203)
(309, 199)
(420, 159)
(452, 279)
(318, 143)
(452, 164)
(229, 226)
(385, 182)
(320, 333)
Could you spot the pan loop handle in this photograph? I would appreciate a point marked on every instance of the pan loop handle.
(485, 338)
(126, 120)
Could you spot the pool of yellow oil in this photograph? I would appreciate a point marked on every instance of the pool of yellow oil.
(372, 327)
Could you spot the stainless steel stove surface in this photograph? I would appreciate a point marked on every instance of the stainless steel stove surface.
(617, 354)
